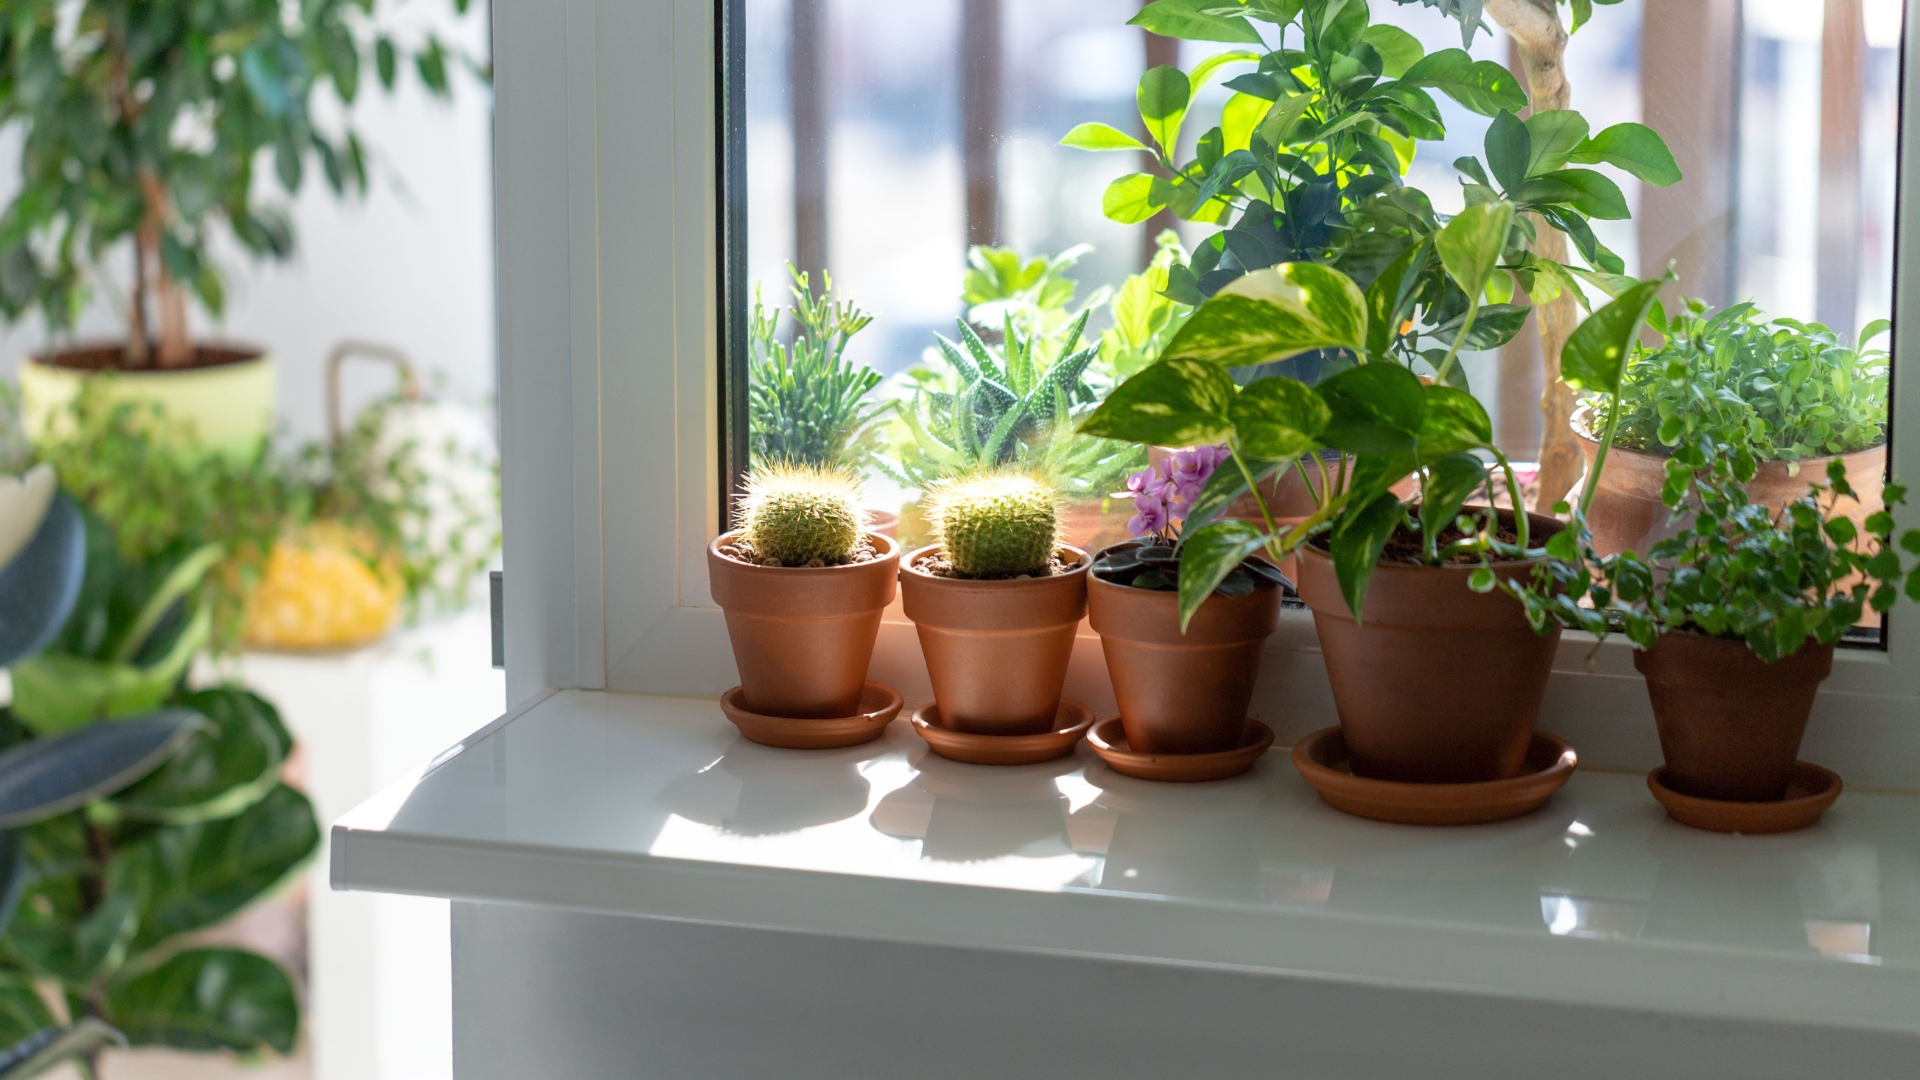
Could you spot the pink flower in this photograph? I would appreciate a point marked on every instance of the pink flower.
(1150, 516)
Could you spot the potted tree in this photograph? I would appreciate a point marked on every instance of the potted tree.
(803, 583)
(143, 125)
(1734, 619)
(1801, 397)
(996, 600)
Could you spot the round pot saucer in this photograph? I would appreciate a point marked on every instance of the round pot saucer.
(1322, 759)
(1109, 739)
(1809, 793)
(1069, 724)
(878, 706)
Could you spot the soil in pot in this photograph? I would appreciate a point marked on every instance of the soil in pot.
(1437, 683)
(1182, 693)
(1730, 723)
(803, 636)
(996, 649)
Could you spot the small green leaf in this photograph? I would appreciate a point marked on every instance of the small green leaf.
(1451, 480)
(1481, 580)
(1634, 148)
(1208, 555)
(1509, 150)
(1135, 198)
(1482, 86)
(1175, 402)
(1398, 49)
(1162, 96)
(387, 60)
(1195, 20)
(1101, 137)
(1471, 244)
(1554, 135)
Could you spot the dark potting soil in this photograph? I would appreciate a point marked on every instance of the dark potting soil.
(741, 551)
(113, 357)
(935, 563)
(1404, 547)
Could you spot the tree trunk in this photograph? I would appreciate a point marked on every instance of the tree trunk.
(176, 344)
(1542, 45)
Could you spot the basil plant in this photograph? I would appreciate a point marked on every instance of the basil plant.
(1307, 164)
(1384, 422)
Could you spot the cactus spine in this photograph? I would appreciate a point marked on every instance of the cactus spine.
(996, 524)
(801, 515)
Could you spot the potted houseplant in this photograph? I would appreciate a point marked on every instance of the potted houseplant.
(1734, 619)
(1183, 673)
(102, 104)
(1802, 397)
(996, 600)
(802, 582)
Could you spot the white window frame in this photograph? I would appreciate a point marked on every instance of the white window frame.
(609, 302)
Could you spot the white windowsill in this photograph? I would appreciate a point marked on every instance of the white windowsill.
(652, 806)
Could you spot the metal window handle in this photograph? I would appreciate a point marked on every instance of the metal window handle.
(337, 359)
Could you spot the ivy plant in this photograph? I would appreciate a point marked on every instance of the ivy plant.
(144, 122)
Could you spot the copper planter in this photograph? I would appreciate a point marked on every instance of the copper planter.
(1730, 723)
(803, 636)
(1182, 693)
(996, 651)
(1438, 683)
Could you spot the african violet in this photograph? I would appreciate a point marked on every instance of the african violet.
(1163, 495)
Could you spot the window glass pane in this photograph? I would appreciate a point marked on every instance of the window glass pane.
(885, 139)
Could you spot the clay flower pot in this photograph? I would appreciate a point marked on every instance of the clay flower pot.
(1730, 723)
(1437, 684)
(1182, 693)
(996, 651)
(803, 636)
(1627, 514)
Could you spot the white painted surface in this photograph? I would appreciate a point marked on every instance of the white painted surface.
(379, 996)
(645, 806)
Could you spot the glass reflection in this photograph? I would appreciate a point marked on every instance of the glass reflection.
(755, 790)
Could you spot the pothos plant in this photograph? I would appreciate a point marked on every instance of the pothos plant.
(1384, 422)
(1308, 161)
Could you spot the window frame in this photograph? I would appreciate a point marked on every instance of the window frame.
(613, 210)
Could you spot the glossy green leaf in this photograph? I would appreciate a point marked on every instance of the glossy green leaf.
(1224, 488)
(226, 766)
(1208, 555)
(1101, 137)
(1509, 149)
(1390, 298)
(1471, 244)
(1357, 542)
(1482, 86)
(1273, 314)
(44, 777)
(1195, 20)
(1277, 419)
(1553, 136)
(1162, 96)
(53, 1045)
(1453, 420)
(1493, 325)
(1175, 402)
(1134, 198)
(1398, 49)
(1373, 409)
(192, 876)
(1589, 192)
(1633, 148)
(208, 999)
(1596, 354)
(1451, 480)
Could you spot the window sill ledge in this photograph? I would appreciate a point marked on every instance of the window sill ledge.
(651, 806)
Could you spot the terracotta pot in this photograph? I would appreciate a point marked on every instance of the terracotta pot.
(996, 651)
(1438, 683)
(1093, 524)
(1627, 513)
(1182, 694)
(884, 522)
(1730, 723)
(803, 637)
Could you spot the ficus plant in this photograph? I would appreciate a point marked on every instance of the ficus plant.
(1384, 422)
(144, 122)
(1308, 161)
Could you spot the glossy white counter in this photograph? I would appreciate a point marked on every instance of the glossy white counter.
(649, 806)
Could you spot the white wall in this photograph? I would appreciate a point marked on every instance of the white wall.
(411, 265)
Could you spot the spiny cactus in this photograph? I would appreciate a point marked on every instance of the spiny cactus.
(996, 524)
(801, 515)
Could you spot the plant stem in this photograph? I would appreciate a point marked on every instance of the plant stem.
(1600, 459)
(1473, 312)
(1513, 493)
(1253, 486)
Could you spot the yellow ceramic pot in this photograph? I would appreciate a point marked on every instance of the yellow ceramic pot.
(228, 396)
(326, 586)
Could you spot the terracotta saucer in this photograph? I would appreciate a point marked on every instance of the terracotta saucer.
(1109, 739)
(1069, 724)
(1809, 793)
(1322, 759)
(878, 706)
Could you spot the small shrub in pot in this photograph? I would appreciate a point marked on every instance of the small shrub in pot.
(802, 584)
(996, 601)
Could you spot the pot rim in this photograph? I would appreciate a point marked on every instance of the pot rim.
(1535, 522)
(243, 354)
(907, 566)
(890, 553)
(1585, 410)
